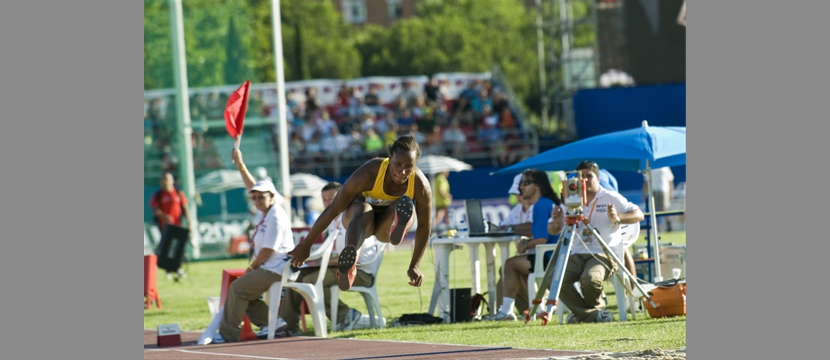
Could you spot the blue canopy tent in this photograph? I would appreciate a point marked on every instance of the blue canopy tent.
(639, 149)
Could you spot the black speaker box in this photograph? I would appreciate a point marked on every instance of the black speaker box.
(170, 250)
(461, 310)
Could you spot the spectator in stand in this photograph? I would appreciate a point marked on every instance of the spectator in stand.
(356, 140)
(296, 151)
(363, 109)
(420, 108)
(479, 102)
(392, 134)
(426, 123)
(399, 107)
(441, 113)
(312, 104)
(336, 143)
(455, 140)
(381, 126)
(343, 95)
(371, 99)
(290, 103)
(492, 140)
(307, 128)
(314, 150)
(499, 102)
(433, 141)
(407, 120)
(373, 144)
(506, 117)
(324, 124)
(354, 103)
(488, 116)
(419, 136)
(432, 90)
(367, 122)
(409, 93)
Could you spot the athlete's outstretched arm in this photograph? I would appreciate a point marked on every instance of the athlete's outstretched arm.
(423, 209)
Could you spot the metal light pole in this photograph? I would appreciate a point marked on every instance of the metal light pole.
(183, 120)
(281, 119)
(540, 50)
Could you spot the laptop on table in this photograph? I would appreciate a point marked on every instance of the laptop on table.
(475, 220)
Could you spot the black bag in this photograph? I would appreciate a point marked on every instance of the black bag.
(419, 319)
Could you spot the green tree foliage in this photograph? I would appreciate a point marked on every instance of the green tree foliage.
(236, 68)
(457, 36)
(229, 41)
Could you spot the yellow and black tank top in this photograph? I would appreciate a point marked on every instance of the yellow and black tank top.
(376, 196)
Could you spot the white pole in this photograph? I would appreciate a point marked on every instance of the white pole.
(223, 203)
(281, 119)
(656, 244)
(183, 119)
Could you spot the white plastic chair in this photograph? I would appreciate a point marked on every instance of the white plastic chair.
(370, 293)
(312, 293)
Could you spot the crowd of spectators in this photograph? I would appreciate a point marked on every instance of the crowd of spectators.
(478, 122)
(359, 126)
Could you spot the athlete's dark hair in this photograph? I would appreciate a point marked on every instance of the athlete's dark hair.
(405, 143)
(540, 178)
(334, 185)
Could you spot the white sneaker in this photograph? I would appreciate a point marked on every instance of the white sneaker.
(351, 319)
(503, 317)
(280, 327)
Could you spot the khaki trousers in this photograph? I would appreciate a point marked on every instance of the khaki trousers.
(590, 271)
(243, 299)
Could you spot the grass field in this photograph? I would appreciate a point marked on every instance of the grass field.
(185, 304)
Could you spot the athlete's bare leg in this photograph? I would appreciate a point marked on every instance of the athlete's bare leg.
(402, 211)
(359, 222)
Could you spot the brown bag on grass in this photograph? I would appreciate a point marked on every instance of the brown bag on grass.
(669, 298)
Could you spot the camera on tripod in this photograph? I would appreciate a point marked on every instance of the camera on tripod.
(573, 190)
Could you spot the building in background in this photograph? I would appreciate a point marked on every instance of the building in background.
(378, 12)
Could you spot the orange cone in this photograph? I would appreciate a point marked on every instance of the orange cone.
(247, 332)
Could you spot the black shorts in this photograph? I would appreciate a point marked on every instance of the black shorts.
(532, 259)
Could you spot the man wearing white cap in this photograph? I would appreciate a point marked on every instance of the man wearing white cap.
(272, 240)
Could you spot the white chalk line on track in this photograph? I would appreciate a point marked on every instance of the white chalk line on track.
(221, 354)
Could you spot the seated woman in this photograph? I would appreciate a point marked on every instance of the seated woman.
(537, 192)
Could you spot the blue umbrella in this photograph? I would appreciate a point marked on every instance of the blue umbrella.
(631, 150)
(639, 149)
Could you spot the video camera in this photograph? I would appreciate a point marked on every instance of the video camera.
(573, 190)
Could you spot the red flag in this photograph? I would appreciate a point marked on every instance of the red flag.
(235, 110)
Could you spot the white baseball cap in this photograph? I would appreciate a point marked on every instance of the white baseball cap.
(267, 186)
(515, 188)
